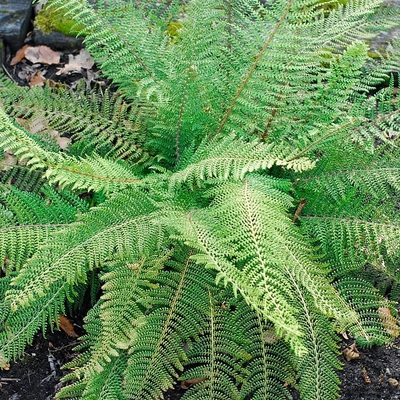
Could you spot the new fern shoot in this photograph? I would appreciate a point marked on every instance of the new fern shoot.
(175, 207)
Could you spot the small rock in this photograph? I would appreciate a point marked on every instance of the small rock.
(56, 40)
(15, 16)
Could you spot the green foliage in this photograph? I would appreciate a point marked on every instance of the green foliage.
(230, 203)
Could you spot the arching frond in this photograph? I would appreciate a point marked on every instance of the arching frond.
(176, 318)
(230, 203)
(230, 157)
(90, 173)
(94, 121)
(87, 244)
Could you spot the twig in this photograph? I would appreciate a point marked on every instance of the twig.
(7, 73)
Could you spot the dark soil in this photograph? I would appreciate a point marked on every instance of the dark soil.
(375, 375)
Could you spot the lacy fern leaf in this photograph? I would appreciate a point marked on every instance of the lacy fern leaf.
(230, 203)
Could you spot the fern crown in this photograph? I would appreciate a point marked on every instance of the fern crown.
(225, 209)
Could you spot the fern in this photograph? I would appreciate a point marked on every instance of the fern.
(230, 204)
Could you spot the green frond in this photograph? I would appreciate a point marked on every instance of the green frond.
(377, 321)
(126, 54)
(122, 225)
(348, 237)
(231, 157)
(94, 121)
(317, 368)
(270, 368)
(230, 204)
(20, 326)
(118, 316)
(351, 203)
(104, 385)
(238, 357)
(218, 357)
(90, 173)
(176, 317)
(21, 177)
(259, 252)
(28, 218)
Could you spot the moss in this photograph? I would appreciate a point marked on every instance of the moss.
(173, 30)
(49, 20)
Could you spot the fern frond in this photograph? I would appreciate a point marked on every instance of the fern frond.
(106, 384)
(127, 54)
(218, 357)
(259, 253)
(124, 288)
(317, 368)
(27, 219)
(90, 173)
(232, 157)
(377, 315)
(24, 323)
(271, 367)
(87, 244)
(256, 365)
(177, 316)
(226, 114)
(95, 122)
(351, 207)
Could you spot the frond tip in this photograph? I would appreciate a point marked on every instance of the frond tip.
(232, 157)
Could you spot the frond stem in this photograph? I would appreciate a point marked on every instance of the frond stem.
(181, 109)
(252, 69)
(321, 139)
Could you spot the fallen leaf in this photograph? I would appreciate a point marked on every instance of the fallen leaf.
(66, 326)
(42, 54)
(63, 142)
(83, 60)
(5, 164)
(190, 382)
(388, 321)
(367, 379)
(19, 56)
(37, 125)
(269, 336)
(351, 352)
(37, 80)
(393, 382)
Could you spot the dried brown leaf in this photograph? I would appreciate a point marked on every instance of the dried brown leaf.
(8, 161)
(42, 54)
(63, 142)
(393, 382)
(37, 80)
(66, 326)
(351, 352)
(269, 336)
(83, 60)
(190, 382)
(19, 56)
(367, 379)
(388, 321)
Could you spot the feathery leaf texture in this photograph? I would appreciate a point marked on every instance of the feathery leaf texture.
(230, 203)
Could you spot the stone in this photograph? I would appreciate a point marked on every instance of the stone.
(15, 19)
(56, 40)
